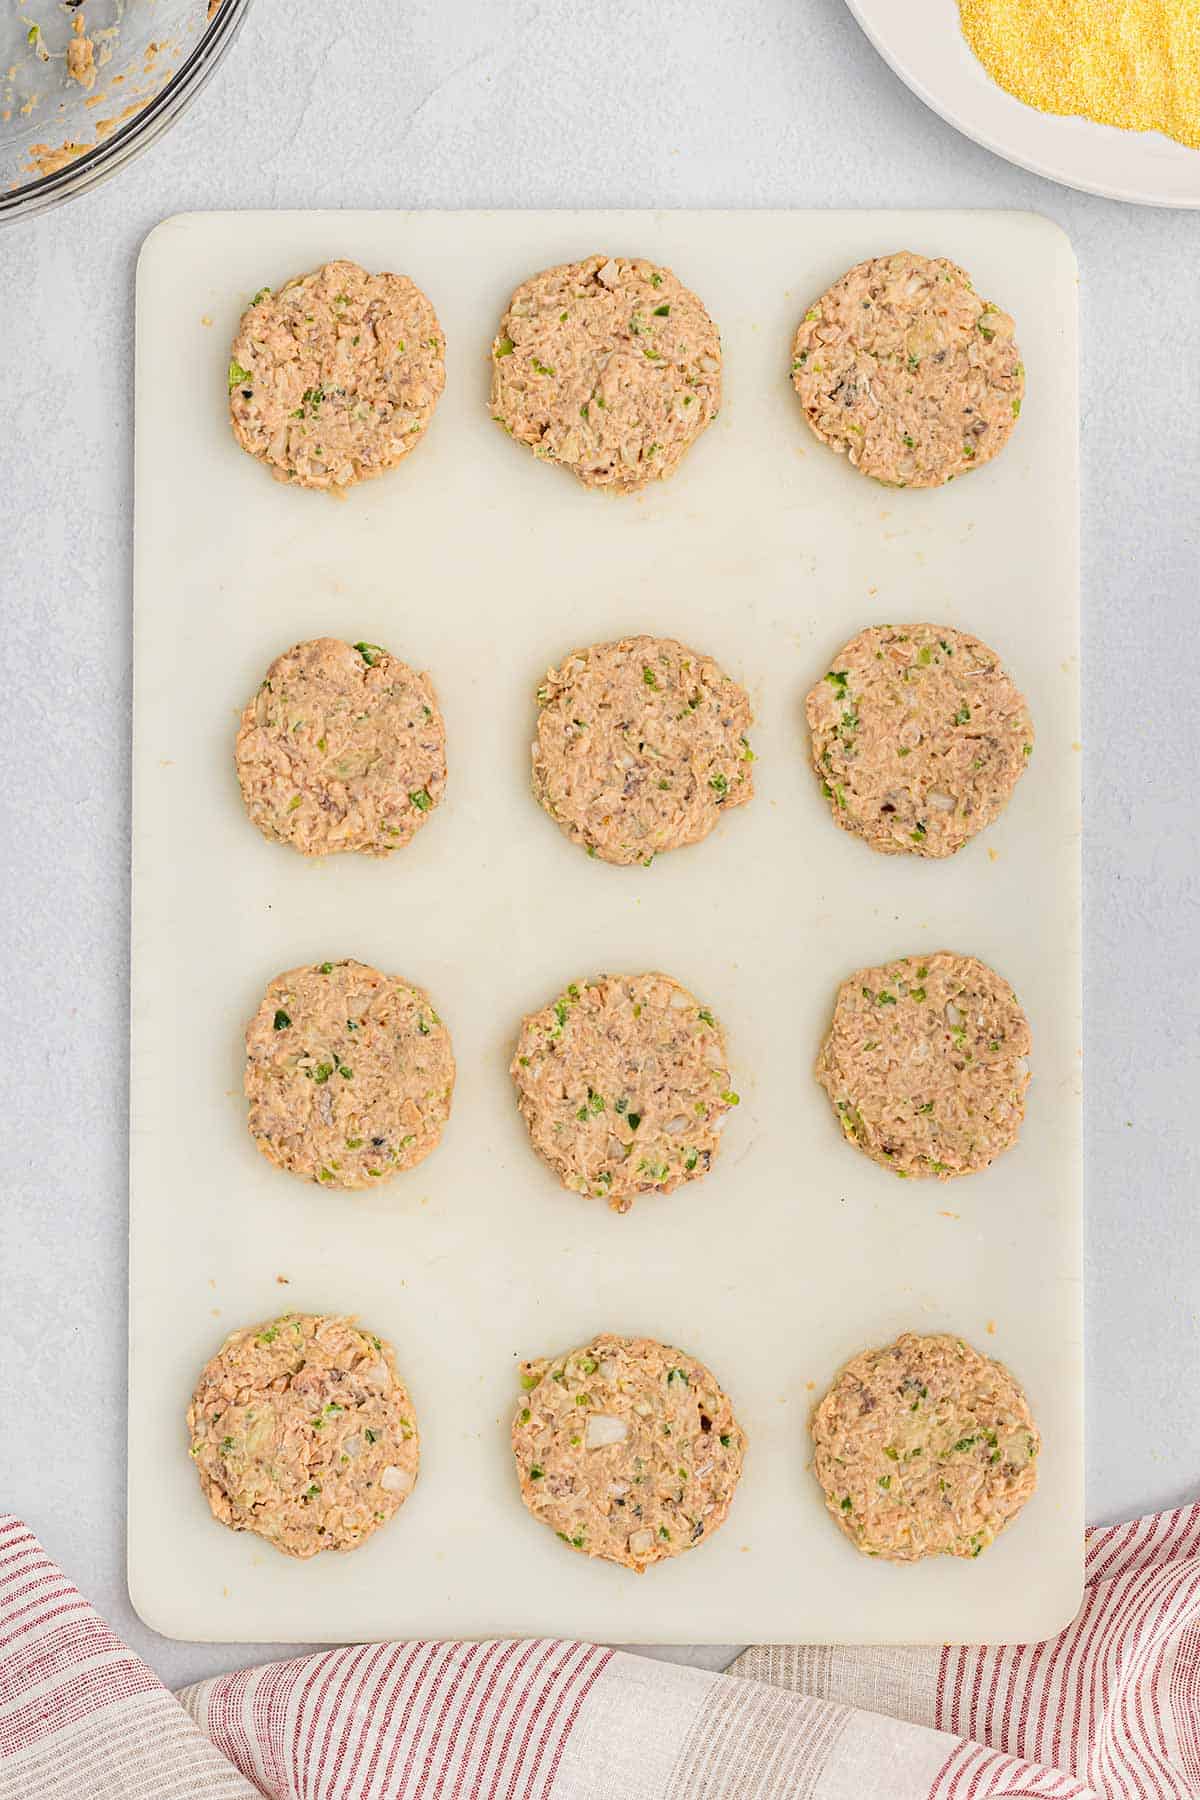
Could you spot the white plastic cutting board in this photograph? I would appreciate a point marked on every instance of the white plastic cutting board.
(483, 565)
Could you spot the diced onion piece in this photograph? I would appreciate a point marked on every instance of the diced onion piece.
(603, 1429)
(641, 1542)
(396, 1480)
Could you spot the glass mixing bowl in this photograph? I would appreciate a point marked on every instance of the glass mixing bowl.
(85, 85)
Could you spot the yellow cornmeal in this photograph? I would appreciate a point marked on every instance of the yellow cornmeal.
(1134, 63)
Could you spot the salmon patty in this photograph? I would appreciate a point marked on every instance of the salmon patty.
(641, 746)
(609, 366)
(901, 367)
(624, 1084)
(349, 1074)
(342, 748)
(924, 1448)
(919, 737)
(925, 1064)
(334, 379)
(302, 1431)
(627, 1449)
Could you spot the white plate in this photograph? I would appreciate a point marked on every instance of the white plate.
(484, 565)
(924, 44)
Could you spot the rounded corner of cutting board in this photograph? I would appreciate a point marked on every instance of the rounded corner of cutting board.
(164, 1625)
(159, 241)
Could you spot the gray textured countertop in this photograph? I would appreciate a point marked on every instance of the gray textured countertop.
(454, 103)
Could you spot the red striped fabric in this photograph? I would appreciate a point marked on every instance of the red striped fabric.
(1110, 1708)
(1115, 1700)
(972, 1771)
(80, 1715)
(407, 1721)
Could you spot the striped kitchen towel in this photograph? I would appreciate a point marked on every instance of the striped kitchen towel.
(1110, 1708)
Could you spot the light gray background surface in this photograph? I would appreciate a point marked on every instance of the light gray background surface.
(561, 103)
